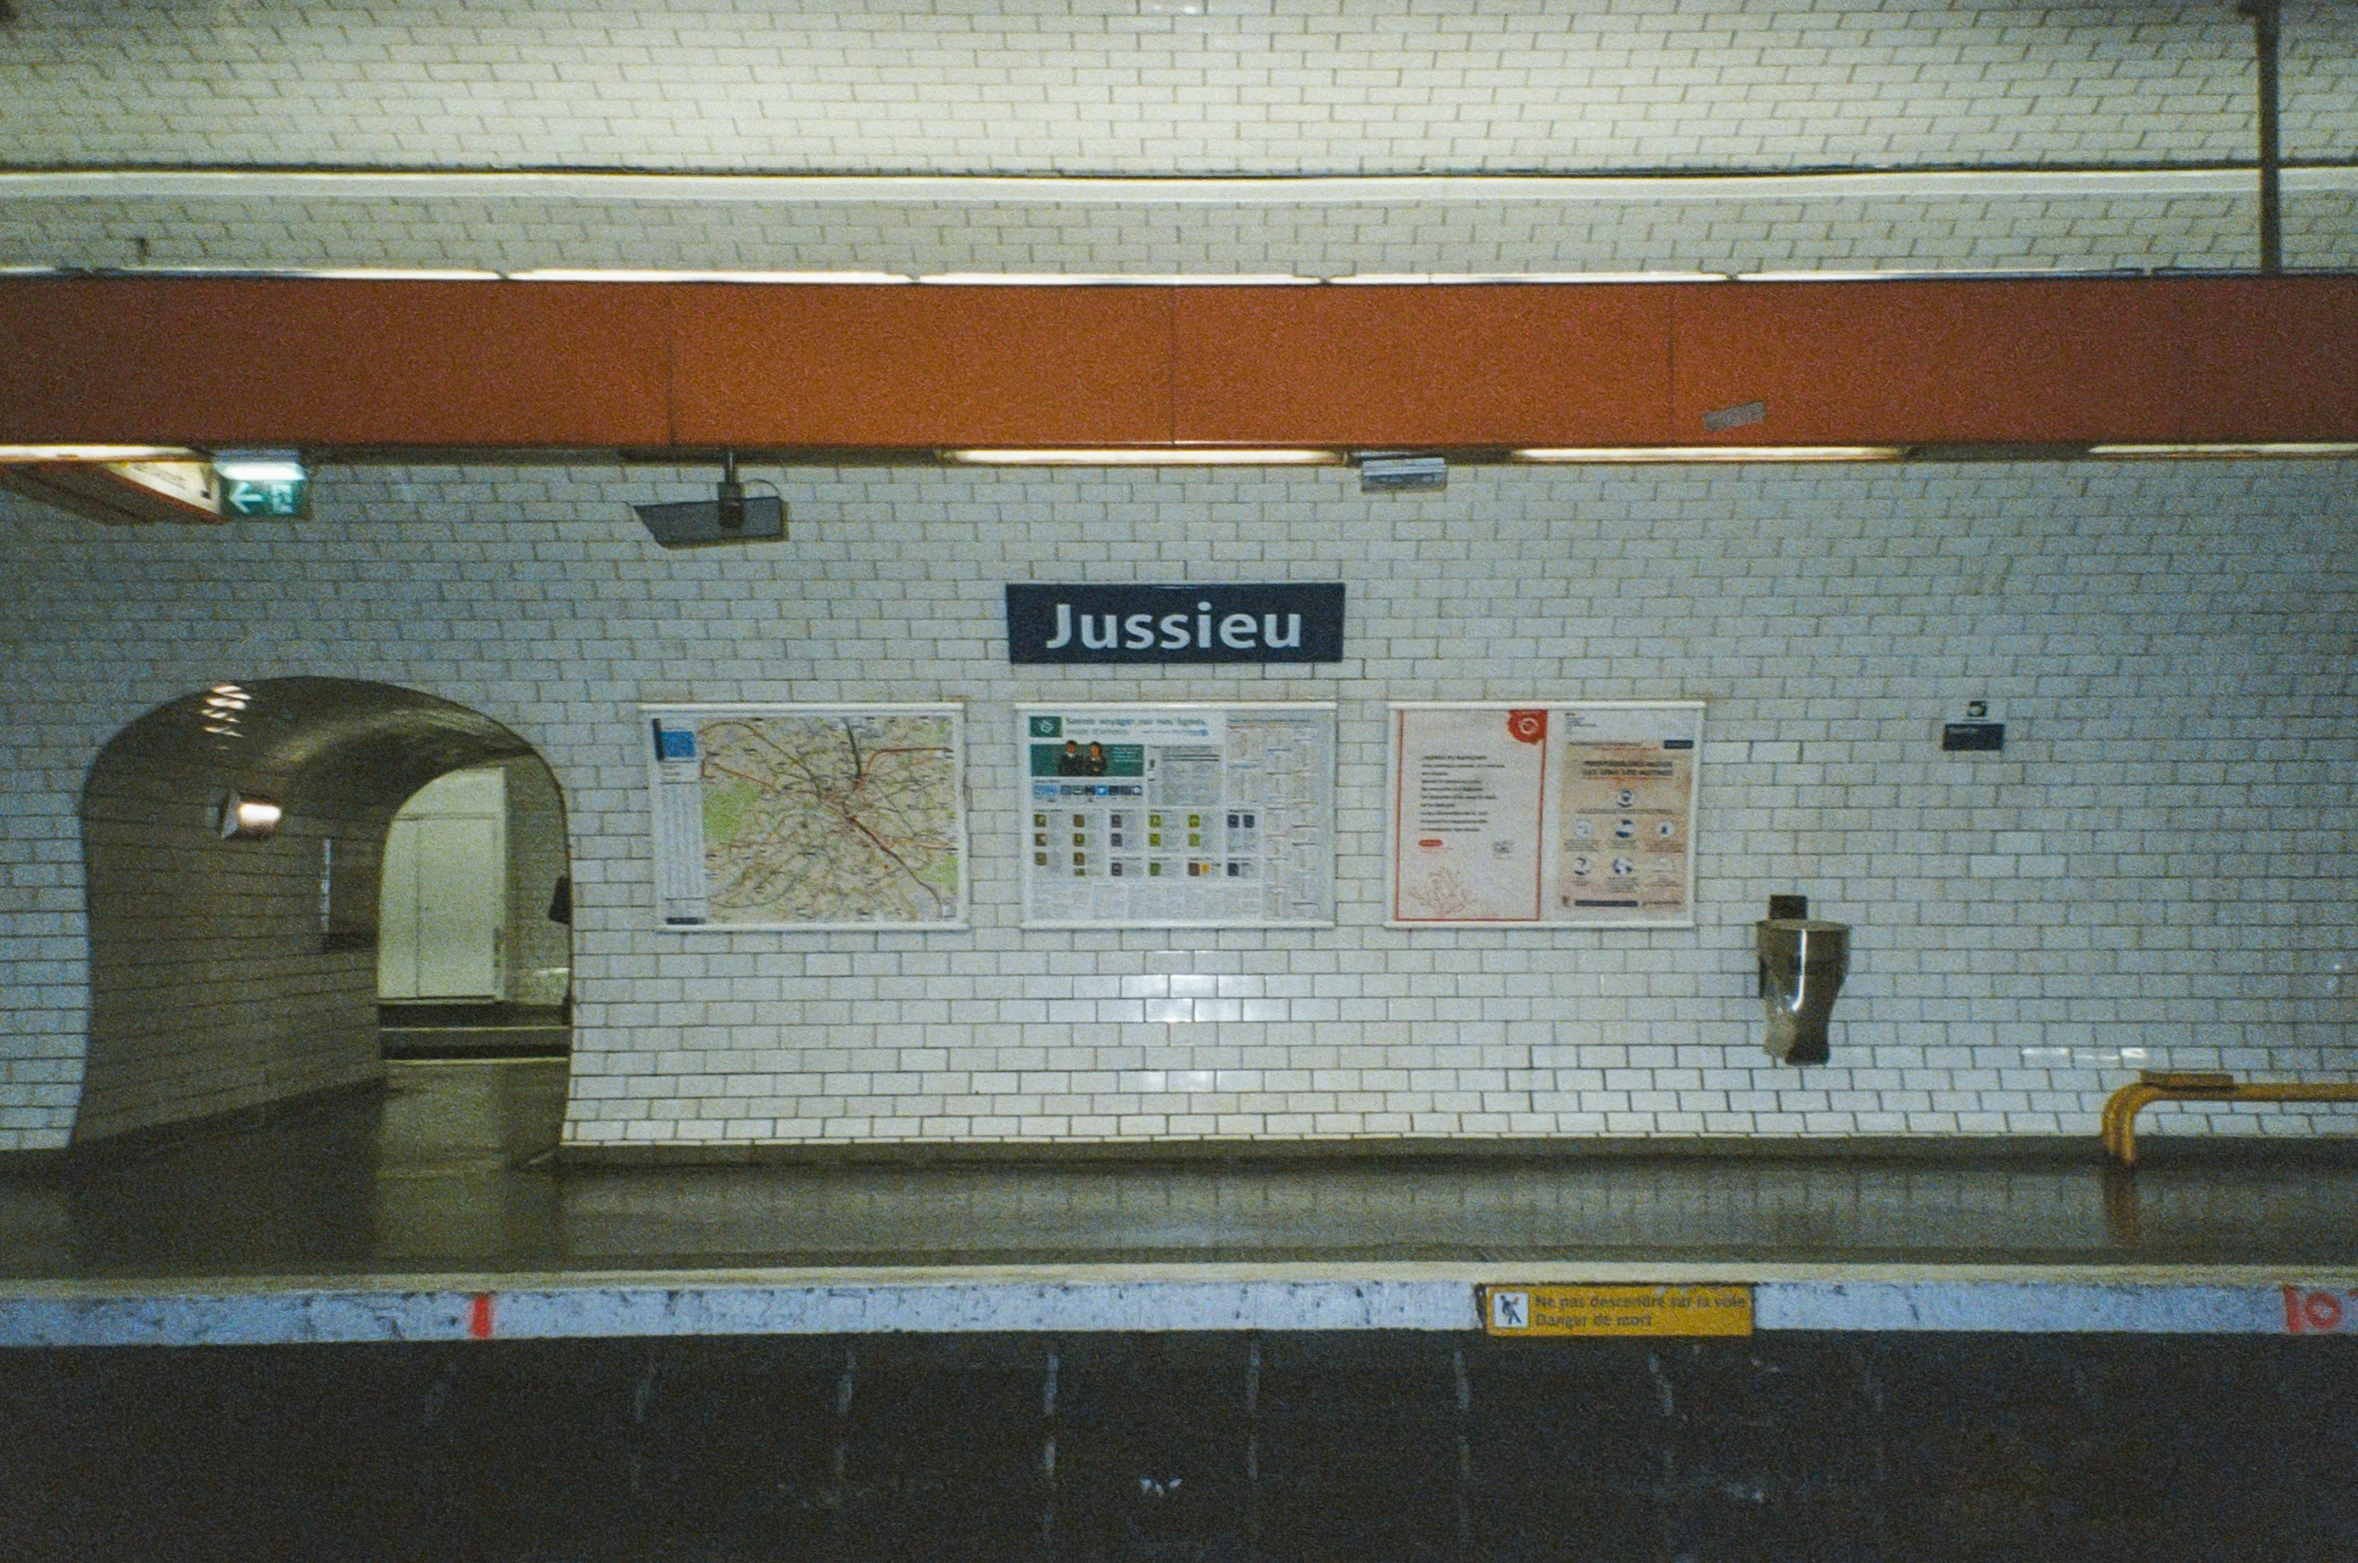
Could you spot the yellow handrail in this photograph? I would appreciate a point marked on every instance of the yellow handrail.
(2122, 1107)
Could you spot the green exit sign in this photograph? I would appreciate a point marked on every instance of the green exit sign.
(266, 496)
(263, 483)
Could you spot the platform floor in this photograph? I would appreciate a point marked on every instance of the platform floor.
(449, 1174)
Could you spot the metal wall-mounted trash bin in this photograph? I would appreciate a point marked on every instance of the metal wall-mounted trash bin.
(1802, 964)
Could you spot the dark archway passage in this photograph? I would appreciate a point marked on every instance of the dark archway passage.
(231, 974)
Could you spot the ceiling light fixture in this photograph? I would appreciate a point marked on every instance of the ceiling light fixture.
(190, 484)
(16, 455)
(587, 274)
(116, 485)
(2274, 450)
(1112, 279)
(1208, 456)
(260, 466)
(1895, 274)
(1632, 455)
(399, 274)
(1377, 279)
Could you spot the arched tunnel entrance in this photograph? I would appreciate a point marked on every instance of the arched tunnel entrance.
(232, 970)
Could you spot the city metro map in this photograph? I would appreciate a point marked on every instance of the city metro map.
(816, 816)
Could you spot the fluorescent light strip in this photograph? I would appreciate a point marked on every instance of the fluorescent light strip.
(1048, 279)
(1207, 457)
(1058, 279)
(1892, 274)
(2270, 450)
(1441, 278)
(582, 274)
(399, 274)
(15, 454)
(226, 272)
(1636, 454)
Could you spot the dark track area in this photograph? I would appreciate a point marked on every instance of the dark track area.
(1380, 1448)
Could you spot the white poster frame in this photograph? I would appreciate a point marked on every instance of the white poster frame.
(651, 711)
(1025, 711)
(1550, 814)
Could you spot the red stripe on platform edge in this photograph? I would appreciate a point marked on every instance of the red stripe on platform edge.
(479, 1316)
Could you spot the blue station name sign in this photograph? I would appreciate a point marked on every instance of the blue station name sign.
(1259, 623)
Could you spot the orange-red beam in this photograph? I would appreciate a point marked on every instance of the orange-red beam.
(1424, 366)
(213, 362)
(498, 365)
(2094, 360)
(918, 366)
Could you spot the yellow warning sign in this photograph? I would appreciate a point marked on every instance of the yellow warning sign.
(1509, 1309)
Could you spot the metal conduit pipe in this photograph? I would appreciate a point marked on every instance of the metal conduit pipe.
(2265, 15)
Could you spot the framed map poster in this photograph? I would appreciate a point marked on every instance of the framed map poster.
(1177, 816)
(1544, 814)
(809, 816)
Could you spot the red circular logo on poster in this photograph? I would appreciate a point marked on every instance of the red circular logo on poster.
(1527, 726)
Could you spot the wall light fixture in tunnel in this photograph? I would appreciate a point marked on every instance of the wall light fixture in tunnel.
(248, 819)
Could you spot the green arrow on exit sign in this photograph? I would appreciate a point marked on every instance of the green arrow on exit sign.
(265, 496)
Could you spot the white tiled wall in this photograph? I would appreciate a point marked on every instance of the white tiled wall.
(1170, 87)
(2161, 859)
(2097, 228)
(1162, 86)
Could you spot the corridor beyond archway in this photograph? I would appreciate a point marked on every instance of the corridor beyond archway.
(234, 972)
